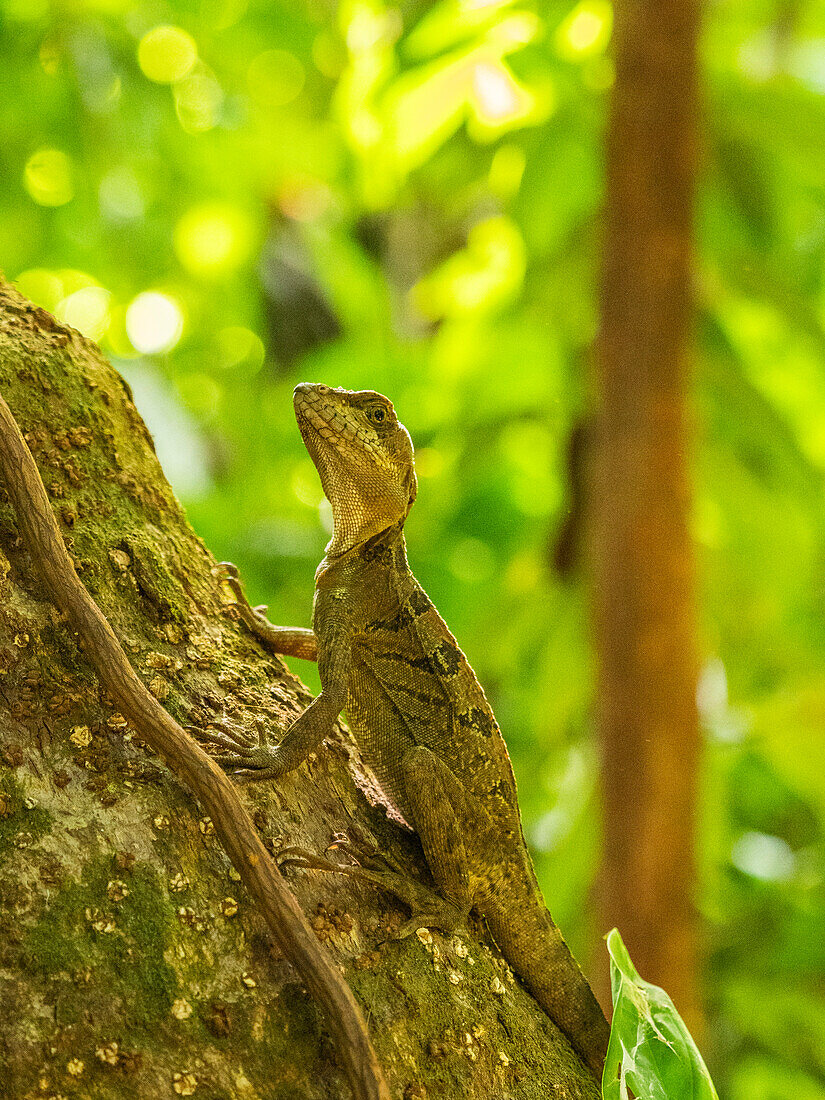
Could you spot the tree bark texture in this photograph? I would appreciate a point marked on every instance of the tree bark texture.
(643, 557)
(133, 964)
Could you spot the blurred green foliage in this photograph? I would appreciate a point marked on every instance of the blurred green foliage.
(236, 195)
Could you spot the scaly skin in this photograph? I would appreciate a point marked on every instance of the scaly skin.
(415, 707)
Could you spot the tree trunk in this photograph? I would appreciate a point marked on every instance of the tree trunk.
(132, 962)
(643, 560)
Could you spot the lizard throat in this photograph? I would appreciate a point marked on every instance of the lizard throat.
(389, 540)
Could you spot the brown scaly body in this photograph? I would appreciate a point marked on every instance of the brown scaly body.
(420, 717)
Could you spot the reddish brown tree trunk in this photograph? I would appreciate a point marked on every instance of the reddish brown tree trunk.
(643, 560)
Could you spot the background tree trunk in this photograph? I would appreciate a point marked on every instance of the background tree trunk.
(643, 561)
(132, 962)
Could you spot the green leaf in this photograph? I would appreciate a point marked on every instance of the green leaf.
(651, 1052)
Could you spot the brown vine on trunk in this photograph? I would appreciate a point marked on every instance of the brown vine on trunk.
(135, 960)
(643, 558)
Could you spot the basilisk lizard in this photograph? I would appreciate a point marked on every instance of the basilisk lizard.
(416, 709)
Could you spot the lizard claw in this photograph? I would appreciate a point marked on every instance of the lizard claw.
(364, 854)
(222, 734)
(258, 775)
(444, 918)
(228, 574)
(429, 908)
(293, 856)
(254, 758)
(253, 762)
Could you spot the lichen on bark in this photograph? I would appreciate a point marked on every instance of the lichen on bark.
(132, 962)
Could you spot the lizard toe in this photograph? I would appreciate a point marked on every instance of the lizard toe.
(258, 775)
(293, 856)
(444, 917)
(221, 741)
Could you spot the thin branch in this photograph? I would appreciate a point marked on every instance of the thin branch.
(192, 766)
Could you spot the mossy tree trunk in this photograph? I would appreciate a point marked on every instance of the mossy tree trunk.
(132, 963)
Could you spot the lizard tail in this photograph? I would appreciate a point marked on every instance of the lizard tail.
(534, 947)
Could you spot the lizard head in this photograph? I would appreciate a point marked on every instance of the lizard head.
(364, 458)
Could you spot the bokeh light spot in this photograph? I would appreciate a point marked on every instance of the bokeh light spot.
(48, 177)
(275, 78)
(87, 310)
(213, 239)
(73, 279)
(154, 322)
(43, 287)
(506, 169)
(198, 101)
(498, 101)
(167, 54)
(49, 56)
(495, 92)
(586, 30)
(120, 195)
(240, 349)
(484, 275)
(764, 856)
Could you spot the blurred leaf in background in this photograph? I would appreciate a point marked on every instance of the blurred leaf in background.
(232, 196)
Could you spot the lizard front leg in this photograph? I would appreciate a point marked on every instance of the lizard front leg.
(251, 763)
(293, 641)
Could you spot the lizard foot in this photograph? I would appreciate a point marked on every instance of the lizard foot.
(228, 574)
(249, 759)
(429, 908)
(222, 734)
(364, 853)
(364, 856)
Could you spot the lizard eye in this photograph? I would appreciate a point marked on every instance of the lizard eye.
(378, 415)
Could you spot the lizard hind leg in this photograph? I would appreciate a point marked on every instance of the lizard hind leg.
(459, 840)
(429, 909)
(434, 798)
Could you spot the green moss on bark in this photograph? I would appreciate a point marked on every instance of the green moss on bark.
(123, 942)
(17, 819)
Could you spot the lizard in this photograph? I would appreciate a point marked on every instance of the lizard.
(415, 707)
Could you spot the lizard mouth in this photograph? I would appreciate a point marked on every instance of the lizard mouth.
(319, 420)
(309, 420)
(321, 431)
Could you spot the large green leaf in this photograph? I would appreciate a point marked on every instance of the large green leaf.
(651, 1052)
